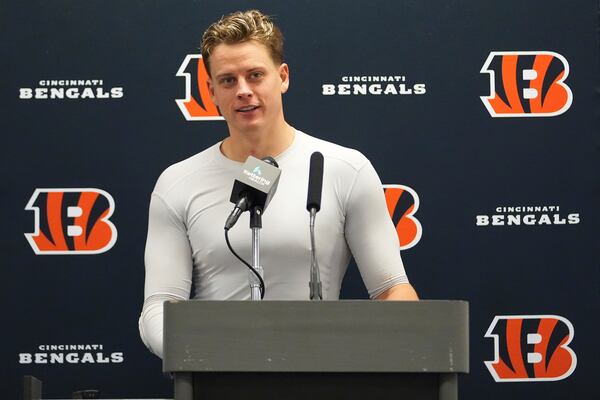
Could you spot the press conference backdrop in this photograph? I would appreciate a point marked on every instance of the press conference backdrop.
(480, 117)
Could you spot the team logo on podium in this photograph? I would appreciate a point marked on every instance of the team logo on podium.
(402, 203)
(71, 221)
(531, 348)
(527, 84)
(197, 105)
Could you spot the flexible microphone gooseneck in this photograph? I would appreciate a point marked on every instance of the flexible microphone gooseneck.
(313, 205)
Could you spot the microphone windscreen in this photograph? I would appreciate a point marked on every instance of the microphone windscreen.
(271, 160)
(315, 181)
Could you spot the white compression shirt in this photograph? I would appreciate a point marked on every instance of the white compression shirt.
(186, 242)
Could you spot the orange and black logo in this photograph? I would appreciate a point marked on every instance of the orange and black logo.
(71, 221)
(531, 348)
(197, 105)
(527, 84)
(403, 202)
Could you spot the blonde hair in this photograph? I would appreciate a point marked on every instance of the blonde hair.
(239, 27)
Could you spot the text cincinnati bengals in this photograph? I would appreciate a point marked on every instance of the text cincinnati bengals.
(373, 85)
(527, 215)
(70, 89)
(71, 354)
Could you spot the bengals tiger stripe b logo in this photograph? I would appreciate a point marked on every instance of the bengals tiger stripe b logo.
(402, 203)
(531, 348)
(527, 84)
(197, 105)
(71, 221)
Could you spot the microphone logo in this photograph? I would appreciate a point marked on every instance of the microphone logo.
(257, 177)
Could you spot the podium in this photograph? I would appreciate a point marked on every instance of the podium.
(354, 349)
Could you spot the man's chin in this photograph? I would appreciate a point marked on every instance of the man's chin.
(249, 126)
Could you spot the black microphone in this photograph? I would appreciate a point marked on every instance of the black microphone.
(254, 187)
(315, 182)
(313, 205)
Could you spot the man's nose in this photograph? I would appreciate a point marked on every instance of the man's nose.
(243, 89)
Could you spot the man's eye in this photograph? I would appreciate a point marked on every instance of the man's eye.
(256, 75)
(227, 81)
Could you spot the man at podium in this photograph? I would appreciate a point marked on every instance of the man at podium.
(185, 248)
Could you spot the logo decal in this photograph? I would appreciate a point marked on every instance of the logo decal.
(527, 216)
(70, 89)
(531, 348)
(51, 354)
(71, 221)
(373, 85)
(197, 105)
(527, 84)
(403, 202)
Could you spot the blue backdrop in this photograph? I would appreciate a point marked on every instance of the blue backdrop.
(503, 192)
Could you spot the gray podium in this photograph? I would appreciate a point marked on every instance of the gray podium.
(317, 350)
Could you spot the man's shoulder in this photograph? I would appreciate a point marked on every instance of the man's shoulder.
(345, 157)
(177, 173)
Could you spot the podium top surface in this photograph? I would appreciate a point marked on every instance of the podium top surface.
(324, 336)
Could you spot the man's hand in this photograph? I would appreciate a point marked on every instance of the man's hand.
(402, 291)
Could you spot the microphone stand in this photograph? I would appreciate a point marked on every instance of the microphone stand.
(255, 225)
(316, 292)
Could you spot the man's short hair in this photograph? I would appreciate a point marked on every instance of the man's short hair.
(243, 26)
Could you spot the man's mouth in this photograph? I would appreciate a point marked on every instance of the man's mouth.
(247, 108)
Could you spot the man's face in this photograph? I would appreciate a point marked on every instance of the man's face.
(246, 85)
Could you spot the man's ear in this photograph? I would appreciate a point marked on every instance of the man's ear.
(284, 75)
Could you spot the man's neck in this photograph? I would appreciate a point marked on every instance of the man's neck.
(238, 146)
